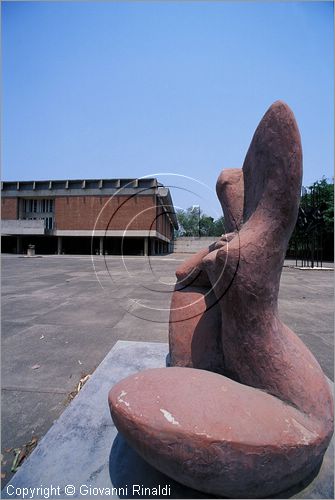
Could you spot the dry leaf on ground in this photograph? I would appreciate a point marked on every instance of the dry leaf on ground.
(82, 382)
(22, 454)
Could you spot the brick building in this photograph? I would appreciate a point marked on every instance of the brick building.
(106, 216)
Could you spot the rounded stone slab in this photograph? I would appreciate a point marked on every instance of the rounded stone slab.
(210, 439)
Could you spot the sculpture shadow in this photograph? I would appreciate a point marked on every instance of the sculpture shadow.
(127, 468)
(316, 485)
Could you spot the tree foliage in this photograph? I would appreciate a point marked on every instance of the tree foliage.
(317, 207)
(314, 230)
(193, 222)
(321, 195)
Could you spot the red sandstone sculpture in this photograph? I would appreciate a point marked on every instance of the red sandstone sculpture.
(262, 423)
(195, 316)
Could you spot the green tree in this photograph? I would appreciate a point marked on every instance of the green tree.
(219, 228)
(188, 221)
(314, 231)
(192, 222)
(323, 193)
(318, 203)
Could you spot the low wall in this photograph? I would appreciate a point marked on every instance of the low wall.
(192, 244)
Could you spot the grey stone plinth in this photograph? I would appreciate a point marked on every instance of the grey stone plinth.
(84, 450)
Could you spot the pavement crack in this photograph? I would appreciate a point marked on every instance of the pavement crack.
(47, 390)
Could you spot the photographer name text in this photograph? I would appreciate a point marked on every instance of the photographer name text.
(70, 490)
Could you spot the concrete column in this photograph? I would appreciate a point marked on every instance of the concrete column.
(18, 244)
(101, 245)
(152, 244)
(59, 245)
(146, 245)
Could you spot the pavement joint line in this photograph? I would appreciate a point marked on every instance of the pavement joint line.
(315, 268)
(47, 390)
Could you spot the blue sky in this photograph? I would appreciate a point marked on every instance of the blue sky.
(111, 89)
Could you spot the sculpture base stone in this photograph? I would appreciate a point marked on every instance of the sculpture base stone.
(84, 449)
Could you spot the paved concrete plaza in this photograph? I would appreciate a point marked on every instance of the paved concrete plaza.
(61, 315)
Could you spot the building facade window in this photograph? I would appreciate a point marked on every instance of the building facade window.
(42, 209)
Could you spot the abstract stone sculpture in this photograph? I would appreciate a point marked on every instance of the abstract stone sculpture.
(263, 422)
(195, 317)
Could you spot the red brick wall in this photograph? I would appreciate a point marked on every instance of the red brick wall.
(168, 231)
(160, 219)
(81, 212)
(163, 223)
(9, 208)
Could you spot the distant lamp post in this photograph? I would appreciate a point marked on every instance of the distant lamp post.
(198, 208)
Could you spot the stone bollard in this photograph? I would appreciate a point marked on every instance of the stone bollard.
(31, 251)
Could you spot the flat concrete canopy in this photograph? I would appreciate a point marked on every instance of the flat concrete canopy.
(62, 315)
